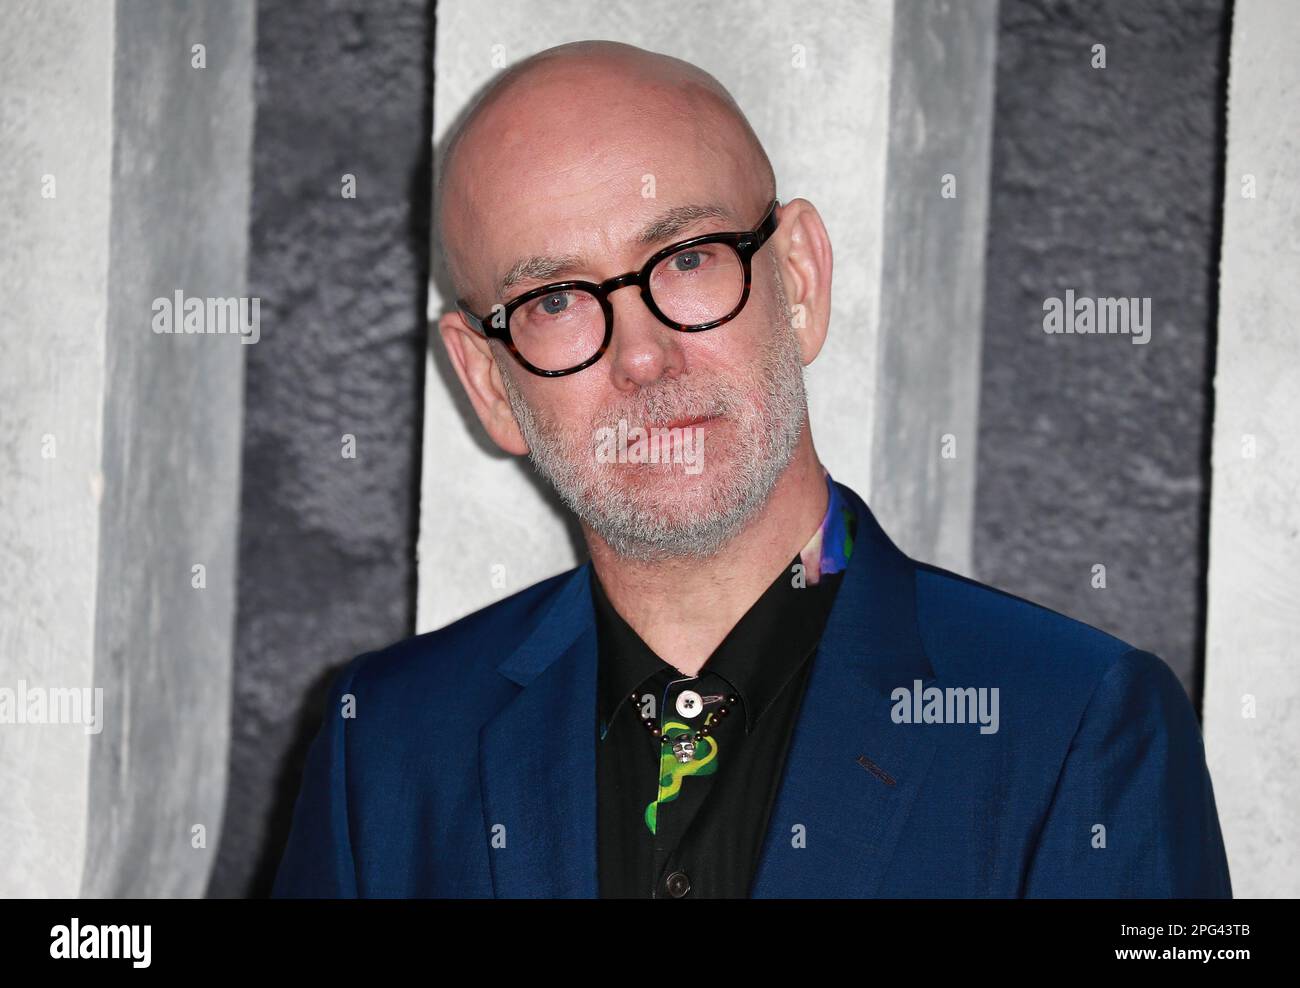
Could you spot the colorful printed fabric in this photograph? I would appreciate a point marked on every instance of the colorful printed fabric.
(829, 549)
(672, 772)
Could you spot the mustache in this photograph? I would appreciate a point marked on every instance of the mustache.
(669, 405)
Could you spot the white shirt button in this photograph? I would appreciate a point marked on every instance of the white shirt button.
(689, 704)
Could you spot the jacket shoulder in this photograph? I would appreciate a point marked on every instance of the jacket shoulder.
(1055, 675)
(464, 653)
(971, 629)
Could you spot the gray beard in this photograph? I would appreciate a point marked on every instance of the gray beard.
(646, 526)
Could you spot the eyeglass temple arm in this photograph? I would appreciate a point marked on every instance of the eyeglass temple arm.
(769, 224)
(470, 318)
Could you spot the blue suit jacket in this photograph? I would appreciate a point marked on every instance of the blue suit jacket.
(468, 766)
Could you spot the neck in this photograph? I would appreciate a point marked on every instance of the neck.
(684, 607)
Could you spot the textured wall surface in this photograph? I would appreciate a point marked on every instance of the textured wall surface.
(150, 154)
(326, 542)
(1252, 676)
(1106, 181)
(56, 82)
(814, 80)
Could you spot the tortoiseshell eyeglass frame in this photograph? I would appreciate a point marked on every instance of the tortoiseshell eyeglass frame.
(746, 244)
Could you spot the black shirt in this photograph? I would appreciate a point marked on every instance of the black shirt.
(697, 829)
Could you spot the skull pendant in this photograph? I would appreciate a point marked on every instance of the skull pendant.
(684, 749)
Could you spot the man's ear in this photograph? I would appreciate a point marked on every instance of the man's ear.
(804, 253)
(471, 355)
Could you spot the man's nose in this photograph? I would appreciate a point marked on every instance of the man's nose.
(643, 349)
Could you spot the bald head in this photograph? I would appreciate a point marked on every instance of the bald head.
(577, 136)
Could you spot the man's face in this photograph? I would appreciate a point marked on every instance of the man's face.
(725, 432)
(546, 175)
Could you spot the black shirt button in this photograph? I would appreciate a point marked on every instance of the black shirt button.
(678, 883)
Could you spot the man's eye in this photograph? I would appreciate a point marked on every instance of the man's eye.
(687, 260)
(554, 304)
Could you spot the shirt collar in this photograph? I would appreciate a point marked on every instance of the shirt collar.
(767, 645)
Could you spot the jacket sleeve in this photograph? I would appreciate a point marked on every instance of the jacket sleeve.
(317, 861)
(1133, 815)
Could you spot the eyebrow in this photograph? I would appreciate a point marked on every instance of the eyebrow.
(667, 225)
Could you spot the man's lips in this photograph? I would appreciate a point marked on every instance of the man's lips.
(684, 423)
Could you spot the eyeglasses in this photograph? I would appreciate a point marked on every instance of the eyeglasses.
(566, 326)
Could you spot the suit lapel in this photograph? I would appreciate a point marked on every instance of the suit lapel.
(851, 774)
(538, 758)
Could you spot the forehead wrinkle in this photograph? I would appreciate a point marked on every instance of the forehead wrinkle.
(665, 226)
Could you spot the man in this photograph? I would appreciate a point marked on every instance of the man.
(748, 690)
